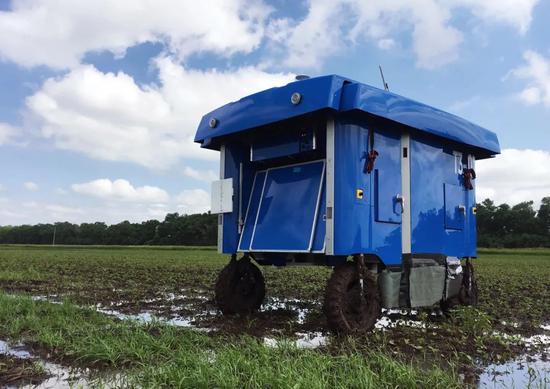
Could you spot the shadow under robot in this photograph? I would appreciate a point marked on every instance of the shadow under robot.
(330, 171)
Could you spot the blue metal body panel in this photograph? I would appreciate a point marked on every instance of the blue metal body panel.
(419, 116)
(387, 179)
(234, 155)
(385, 228)
(320, 226)
(284, 198)
(454, 199)
(269, 106)
(252, 211)
(351, 232)
(431, 168)
(337, 94)
(287, 209)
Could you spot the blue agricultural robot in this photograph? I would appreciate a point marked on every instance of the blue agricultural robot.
(330, 171)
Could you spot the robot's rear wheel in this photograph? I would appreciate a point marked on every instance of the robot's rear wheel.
(468, 294)
(348, 307)
(240, 287)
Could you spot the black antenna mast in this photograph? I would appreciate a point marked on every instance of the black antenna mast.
(386, 87)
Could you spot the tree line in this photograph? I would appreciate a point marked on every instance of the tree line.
(498, 226)
(517, 226)
(175, 229)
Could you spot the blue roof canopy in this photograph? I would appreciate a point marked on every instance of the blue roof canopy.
(338, 94)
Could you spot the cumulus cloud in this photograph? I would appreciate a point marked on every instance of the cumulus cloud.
(59, 33)
(121, 190)
(330, 26)
(514, 176)
(201, 175)
(45, 212)
(536, 71)
(193, 201)
(226, 27)
(31, 186)
(108, 116)
(517, 13)
(7, 132)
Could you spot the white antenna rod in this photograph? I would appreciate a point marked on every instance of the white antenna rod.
(386, 87)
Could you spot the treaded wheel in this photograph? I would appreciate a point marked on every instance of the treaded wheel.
(240, 287)
(348, 311)
(468, 294)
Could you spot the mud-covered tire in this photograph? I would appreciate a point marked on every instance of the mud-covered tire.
(240, 288)
(448, 305)
(346, 310)
(468, 294)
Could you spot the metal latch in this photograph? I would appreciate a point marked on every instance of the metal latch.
(401, 200)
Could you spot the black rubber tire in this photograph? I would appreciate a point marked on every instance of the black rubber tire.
(468, 294)
(448, 305)
(240, 288)
(346, 310)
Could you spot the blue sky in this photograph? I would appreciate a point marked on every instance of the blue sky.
(99, 101)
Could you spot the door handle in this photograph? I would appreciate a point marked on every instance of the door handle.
(401, 200)
(462, 208)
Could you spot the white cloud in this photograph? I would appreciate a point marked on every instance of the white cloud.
(60, 191)
(121, 190)
(517, 13)
(331, 26)
(108, 116)
(2, 188)
(226, 27)
(31, 186)
(7, 132)
(536, 72)
(514, 176)
(58, 33)
(386, 44)
(193, 201)
(201, 175)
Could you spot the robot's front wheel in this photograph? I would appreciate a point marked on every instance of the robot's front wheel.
(240, 287)
(350, 308)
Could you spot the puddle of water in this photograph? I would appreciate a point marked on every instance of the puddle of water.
(294, 305)
(148, 317)
(520, 373)
(17, 350)
(311, 340)
(386, 322)
(60, 376)
(305, 340)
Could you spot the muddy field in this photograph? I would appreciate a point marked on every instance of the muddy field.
(150, 320)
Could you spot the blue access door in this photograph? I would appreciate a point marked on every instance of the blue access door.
(438, 199)
(387, 228)
(285, 210)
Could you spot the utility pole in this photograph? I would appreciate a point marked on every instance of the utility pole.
(53, 240)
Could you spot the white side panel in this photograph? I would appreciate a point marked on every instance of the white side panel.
(406, 188)
(222, 196)
(329, 236)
